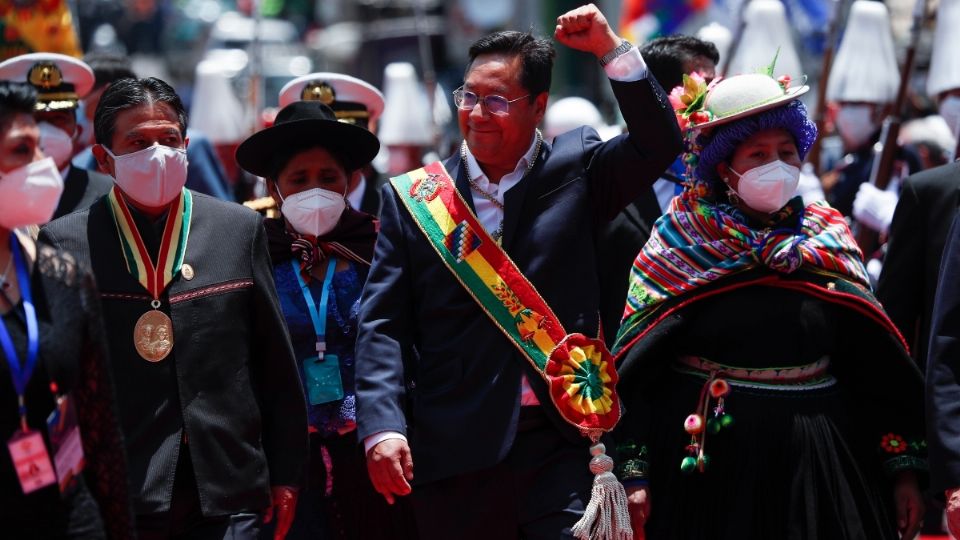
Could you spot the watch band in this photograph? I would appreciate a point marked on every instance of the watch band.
(622, 48)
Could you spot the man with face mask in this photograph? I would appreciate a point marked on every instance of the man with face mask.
(61, 81)
(862, 87)
(209, 396)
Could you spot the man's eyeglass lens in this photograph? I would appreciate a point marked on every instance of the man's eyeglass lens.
(494, 104)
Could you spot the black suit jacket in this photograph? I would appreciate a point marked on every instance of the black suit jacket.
(943, 370)
(81, 188)
(908, 282)
(617, 248)
(230, 387)
(370, 203)
(419, 327)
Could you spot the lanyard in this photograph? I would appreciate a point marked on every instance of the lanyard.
(21, 373)
(318, 316)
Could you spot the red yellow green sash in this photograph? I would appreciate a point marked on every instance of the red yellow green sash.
(173, 244)
(578, 370)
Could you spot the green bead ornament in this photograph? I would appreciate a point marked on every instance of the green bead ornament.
(726, 420)
(706, 462)
(713, 426)
(688, 465)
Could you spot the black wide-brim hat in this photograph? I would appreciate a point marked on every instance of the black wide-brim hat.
(304, 125)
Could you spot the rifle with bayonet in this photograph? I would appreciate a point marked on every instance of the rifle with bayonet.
(819, 116)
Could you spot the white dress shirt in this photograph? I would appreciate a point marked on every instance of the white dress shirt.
(627, 67)
(355, 197)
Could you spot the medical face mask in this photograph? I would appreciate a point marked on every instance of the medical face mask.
(950, 111)
(855, 124)
(55, 143)
(313, 212)
(769, 187)
(29, 194)
(153, 176)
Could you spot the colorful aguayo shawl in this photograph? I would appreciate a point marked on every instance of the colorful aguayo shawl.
(699, 242)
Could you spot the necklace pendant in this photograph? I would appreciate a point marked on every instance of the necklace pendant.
(153, 335)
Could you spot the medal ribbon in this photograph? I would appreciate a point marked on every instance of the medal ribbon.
(21, 373)
(173, 244)
(578, 370)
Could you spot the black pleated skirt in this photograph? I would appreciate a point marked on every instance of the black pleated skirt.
(797, 465)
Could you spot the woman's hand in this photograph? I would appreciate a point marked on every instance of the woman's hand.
(909, 504)
(638, 504)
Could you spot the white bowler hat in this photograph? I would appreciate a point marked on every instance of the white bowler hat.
(60, 80)
(945, 64)
(719, 35)
(766, 30)
(351, 99)
(865, 68)
(407, 119)
(745, 95)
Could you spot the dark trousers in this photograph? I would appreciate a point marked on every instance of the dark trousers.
(537, 492)
(185, 521)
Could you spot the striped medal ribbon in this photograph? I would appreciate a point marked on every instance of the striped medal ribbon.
(153, 332)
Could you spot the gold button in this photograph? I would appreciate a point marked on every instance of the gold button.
(187, 272)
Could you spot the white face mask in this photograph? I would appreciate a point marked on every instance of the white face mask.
(769, 187)
(153, 176)
(29, 194)
(950, 111)
(855, 124)
(313, 212)
(55, 143)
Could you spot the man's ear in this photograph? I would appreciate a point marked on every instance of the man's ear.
(104, 161)
(186, 142)
(540, 106)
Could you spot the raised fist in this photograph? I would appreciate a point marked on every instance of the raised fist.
(586, 29)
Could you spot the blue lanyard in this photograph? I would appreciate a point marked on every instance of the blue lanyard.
(21, 373)
(318, 316)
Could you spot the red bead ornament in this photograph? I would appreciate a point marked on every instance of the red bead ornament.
(719, 388)
(693, 424)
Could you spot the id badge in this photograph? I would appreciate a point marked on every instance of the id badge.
(31, 460)
(323, 379)
(65, 442)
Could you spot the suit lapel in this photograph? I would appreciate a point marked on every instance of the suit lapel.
(514, 198)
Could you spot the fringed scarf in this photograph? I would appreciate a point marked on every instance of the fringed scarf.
(353, 238)
(698, 242)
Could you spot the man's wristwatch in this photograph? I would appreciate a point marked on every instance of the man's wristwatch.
(622, 48)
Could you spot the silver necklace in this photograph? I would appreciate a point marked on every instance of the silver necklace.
(498, 234)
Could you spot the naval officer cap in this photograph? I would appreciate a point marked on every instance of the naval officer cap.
(60, 80)
(352, 100)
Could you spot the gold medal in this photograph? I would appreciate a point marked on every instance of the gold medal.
(153, 335)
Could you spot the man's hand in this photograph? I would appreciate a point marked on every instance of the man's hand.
(284, 505)
(586, 29)
(638, 505)
(953, 511)
(390, 466)
(909, 503)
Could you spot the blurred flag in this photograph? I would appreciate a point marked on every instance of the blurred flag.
(37, 26)
(641, 20)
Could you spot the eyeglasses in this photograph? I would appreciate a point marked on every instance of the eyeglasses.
(494, 104)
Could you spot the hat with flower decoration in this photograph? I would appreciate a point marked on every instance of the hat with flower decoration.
(718, 117)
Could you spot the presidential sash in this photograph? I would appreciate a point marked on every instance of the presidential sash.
(578, 370)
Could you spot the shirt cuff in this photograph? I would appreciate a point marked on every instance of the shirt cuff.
(628, 67)
(378, 438)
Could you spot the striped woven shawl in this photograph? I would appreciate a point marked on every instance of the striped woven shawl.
(699, 242)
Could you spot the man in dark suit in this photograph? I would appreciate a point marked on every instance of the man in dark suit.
(908, 282)
(943, 384)
(669, 58)
(432, 369)
(60, 81)
(210, 401)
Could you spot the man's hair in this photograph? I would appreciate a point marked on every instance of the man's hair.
(128, 93)
(536, 57)
(16, 98)
(665, 57)
(108, 67)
